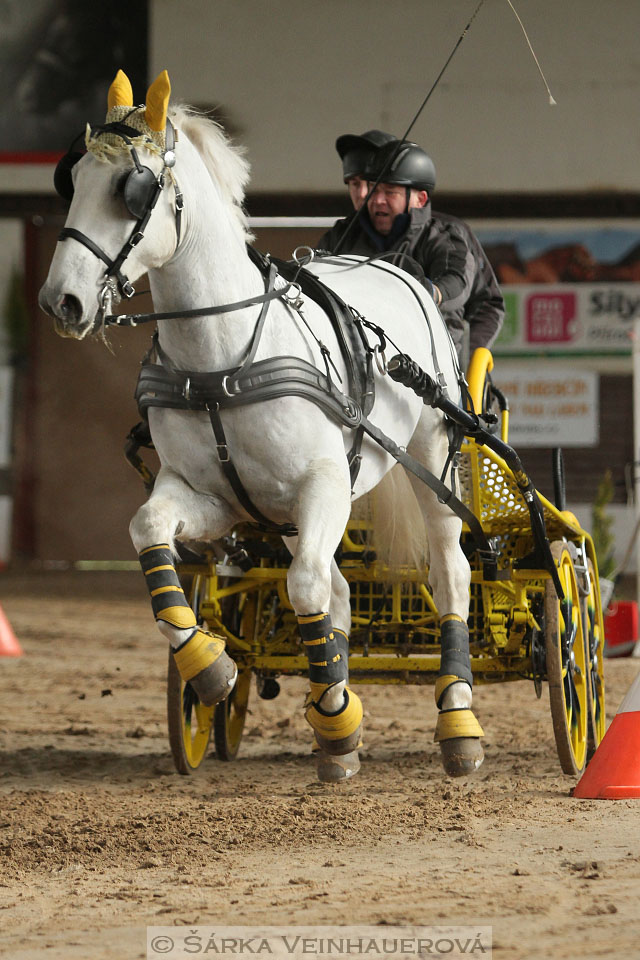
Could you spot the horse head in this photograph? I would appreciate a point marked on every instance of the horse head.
(123, 218)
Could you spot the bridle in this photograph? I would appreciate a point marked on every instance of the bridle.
(140, 189)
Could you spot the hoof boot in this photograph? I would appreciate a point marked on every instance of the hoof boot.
(333, 769)
(461, 756)
(338, 748)
(216, 681)
(337, 733)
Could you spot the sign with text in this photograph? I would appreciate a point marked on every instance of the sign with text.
(570, 287)
(569, 319)
(550, 409)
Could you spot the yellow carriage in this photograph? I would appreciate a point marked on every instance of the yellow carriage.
(520, 627)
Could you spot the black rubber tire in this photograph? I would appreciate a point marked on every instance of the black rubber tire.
(566, 666)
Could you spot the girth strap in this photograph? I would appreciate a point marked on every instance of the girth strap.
(230, 472)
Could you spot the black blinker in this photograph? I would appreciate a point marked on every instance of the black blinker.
(62, 179)
(138, 191)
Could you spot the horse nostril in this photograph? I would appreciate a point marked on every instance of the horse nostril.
(70, 307)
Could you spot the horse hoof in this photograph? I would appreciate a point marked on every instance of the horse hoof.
(216, 681)
(461, 755)
(333, 769)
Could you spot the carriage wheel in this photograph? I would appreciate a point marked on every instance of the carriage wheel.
(593, 627)
(566, 664)
(239, 613)
(229, 718)
(189, 721)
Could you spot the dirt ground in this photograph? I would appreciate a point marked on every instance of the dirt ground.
(99, 837)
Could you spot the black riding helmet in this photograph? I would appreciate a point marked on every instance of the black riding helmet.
(412, 167)
(357, 152)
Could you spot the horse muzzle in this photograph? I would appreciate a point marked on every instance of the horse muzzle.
(67, 313)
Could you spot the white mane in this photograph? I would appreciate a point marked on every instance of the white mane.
(225, 162)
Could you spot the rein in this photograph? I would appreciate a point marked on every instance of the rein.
(135, 319)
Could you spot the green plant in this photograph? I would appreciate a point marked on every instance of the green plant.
(602, 522)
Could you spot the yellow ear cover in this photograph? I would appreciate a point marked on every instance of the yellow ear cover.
(157, 101)
(120, 92)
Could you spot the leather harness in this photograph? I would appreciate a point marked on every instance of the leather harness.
(165, 386)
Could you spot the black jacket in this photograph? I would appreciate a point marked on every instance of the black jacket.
(439, 248)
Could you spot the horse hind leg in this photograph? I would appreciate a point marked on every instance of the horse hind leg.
(314, 583)
(174, 508)
(332, 768)
(457, 730)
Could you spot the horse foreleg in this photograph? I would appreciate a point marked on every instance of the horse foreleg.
(175, 509)
(315, 587)
(457, 729)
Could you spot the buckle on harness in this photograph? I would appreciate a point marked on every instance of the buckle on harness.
(223, 452)
(294, 298)
(380, 359)
(225, 388)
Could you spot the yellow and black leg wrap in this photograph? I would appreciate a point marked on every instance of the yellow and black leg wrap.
(454, 651)
(337, 733)
(455, 666)
(167, 596)
(457, 730)
(325, 649)
(201, 659)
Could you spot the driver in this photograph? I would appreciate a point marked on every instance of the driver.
(356, 154)
(399, 224)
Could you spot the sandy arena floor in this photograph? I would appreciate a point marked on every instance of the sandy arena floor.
(99, 837)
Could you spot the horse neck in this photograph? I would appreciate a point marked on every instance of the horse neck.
(209, 268)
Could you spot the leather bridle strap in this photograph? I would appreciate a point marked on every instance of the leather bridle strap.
(137, 234)
(134, 319)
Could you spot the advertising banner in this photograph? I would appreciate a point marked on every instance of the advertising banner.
(569, 288)
(550, 409)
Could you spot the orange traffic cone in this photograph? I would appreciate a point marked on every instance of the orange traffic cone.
(9, 646)
(614, 771)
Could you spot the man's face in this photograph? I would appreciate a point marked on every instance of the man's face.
(388, 201)
(358, 189)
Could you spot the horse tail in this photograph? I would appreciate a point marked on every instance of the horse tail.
(398, 534)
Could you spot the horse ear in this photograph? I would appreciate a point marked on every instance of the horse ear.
(157, 101)
(120, 92)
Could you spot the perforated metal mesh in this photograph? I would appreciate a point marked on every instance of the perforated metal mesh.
(496, 501)
(490, 491)
(397, 614)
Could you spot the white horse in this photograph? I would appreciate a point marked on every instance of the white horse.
(290, 456)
